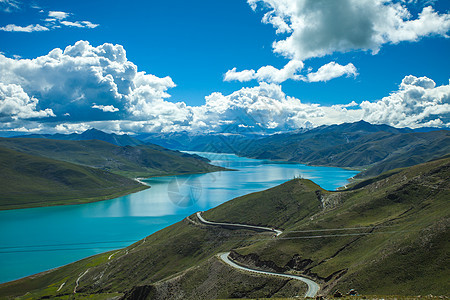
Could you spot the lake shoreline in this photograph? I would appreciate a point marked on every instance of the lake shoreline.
(137, 215)
(82, 201)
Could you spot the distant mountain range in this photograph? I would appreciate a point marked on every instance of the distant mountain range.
(91, 134)
(211, 142)
(359, 145)
(235, 140)
(372, 148)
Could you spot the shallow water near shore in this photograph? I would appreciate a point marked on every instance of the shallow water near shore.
(37, 239)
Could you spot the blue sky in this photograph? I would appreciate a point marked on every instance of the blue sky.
(196, 43)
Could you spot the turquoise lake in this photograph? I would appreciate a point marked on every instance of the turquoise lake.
(37, 239)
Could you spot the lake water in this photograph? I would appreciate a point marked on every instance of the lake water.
(37, 239)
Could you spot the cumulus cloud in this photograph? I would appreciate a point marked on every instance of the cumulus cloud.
(418, 102)
(71, 80)
(60, 15)
(291, 71)
(332, 70)
(265, 106)
(84, 86)
(268, 73)
(29, 28)
(315, 28)
(16, 104)
(104, 108)
(242, 76)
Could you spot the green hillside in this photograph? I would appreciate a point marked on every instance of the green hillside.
(386, 236)
(399, 245)
(371, 148)
(129, 161)
(29, 181)
(387, 153)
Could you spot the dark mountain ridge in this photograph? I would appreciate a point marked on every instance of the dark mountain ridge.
(129, 161)
(230, 141)
(90, 134)
(360, 145)
(32, 181)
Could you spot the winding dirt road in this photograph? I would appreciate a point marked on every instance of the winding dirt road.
(313, 288)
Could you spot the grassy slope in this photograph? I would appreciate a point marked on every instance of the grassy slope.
(161, 255)
(137, 161)
(408, 257)
(282, 205)
(302, 147)
(376, 151)
(417, 148)
(29, 181)
(201, 282)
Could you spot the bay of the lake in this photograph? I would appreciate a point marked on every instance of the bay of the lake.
(37, 239)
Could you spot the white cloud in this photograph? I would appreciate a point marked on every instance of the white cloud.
(71, 80)
(268, 73)
(60, 15)
(16, 104)
(320, 27)
(72, 24)
(242, 76)
(55, 20)
(104, 108)
(267, 108)
(264, 106)
(291, 71)
(69, 128)
(417, 103)
(332, 70)
(279, 22)
(411, 80)
(89, 24)
(344, 106)
(428, 23)
(79, 24)
(29, 28)
(84, 86)
(315, 28)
